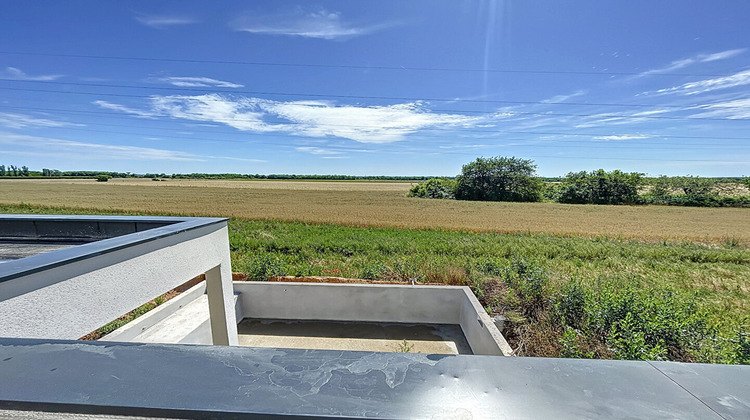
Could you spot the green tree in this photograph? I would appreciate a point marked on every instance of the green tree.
(600, 187)
(694, 186)
(499, 179)
(661, 187)
(2, 170)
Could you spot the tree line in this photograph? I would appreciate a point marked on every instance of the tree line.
(514, 179)
(15, 171)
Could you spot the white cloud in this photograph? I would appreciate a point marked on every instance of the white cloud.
(12, 73)
(237, 159)
(159, 22)
(243, 114)
(97, 151)
(198, 82)
(624, 137)
(562, 98)
(378, 124)
(317, 151)
(694, 88)
(122, 108)
(321, 24)
(24, 121)
(620, 118)
(733, 110)
(698, 58)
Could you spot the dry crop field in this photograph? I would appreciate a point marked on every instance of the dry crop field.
(380, 204)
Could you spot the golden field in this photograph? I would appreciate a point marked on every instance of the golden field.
(381, 204)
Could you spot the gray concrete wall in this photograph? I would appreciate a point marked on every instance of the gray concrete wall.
(71, 300)
(375, 303)
(350, 302)
(479, 330)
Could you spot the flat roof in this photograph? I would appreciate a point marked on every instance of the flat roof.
(91, 235)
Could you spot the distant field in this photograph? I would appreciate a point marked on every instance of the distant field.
(380, 204)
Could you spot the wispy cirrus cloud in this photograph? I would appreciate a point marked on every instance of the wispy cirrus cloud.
(198, 82)
(317, 150)
(12, 120)
(696, 59)
(708, 85)
(13, 73)
(320, 24)
(164, 21)
(624, 137)
(93, 151)
(734, 110)
(619, 118)
(125, 109)
(562, 98)
(373, 124)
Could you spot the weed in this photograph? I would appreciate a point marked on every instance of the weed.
(405, 347)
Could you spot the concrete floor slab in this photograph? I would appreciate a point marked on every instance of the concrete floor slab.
(10, 250)
(353, 336)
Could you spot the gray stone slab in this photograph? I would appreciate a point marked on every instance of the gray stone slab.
(240, 382)
(723, 388)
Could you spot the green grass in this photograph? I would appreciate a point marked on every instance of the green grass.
(711, 278)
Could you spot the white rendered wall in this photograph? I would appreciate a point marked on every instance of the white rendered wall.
(70, 301)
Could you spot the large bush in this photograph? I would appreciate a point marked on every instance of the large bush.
(600, 187)
(434, 188)
(499, 179)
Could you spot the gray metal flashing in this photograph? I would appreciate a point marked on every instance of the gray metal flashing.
(184, 381)
(147, 229)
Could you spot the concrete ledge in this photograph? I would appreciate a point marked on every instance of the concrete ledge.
(70, 292)
(182, 320)
(375, 303)
(220, 382)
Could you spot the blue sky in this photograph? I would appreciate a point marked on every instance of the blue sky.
(375, 88)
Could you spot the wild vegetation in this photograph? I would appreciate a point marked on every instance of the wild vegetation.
(569, 296)
(674, 288)
(514, 179)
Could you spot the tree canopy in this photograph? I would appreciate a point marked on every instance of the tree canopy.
(499, 179)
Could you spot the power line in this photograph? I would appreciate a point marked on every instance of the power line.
(363, 67)
(338, 147)
(459, 129)
(658, 117)
(398, 98)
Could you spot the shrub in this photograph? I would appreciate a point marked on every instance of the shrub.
(102, 178)
(373, 271)
(499, 179)
(528, 280)
(265, 266)
(434, 188)
(570, 305)
(711, 200)
(600, 187)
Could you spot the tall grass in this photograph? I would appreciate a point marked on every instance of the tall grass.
(563, 295)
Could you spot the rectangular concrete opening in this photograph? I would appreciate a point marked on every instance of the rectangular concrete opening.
(353, 336)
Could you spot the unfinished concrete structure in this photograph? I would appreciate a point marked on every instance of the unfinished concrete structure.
(101, 267)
